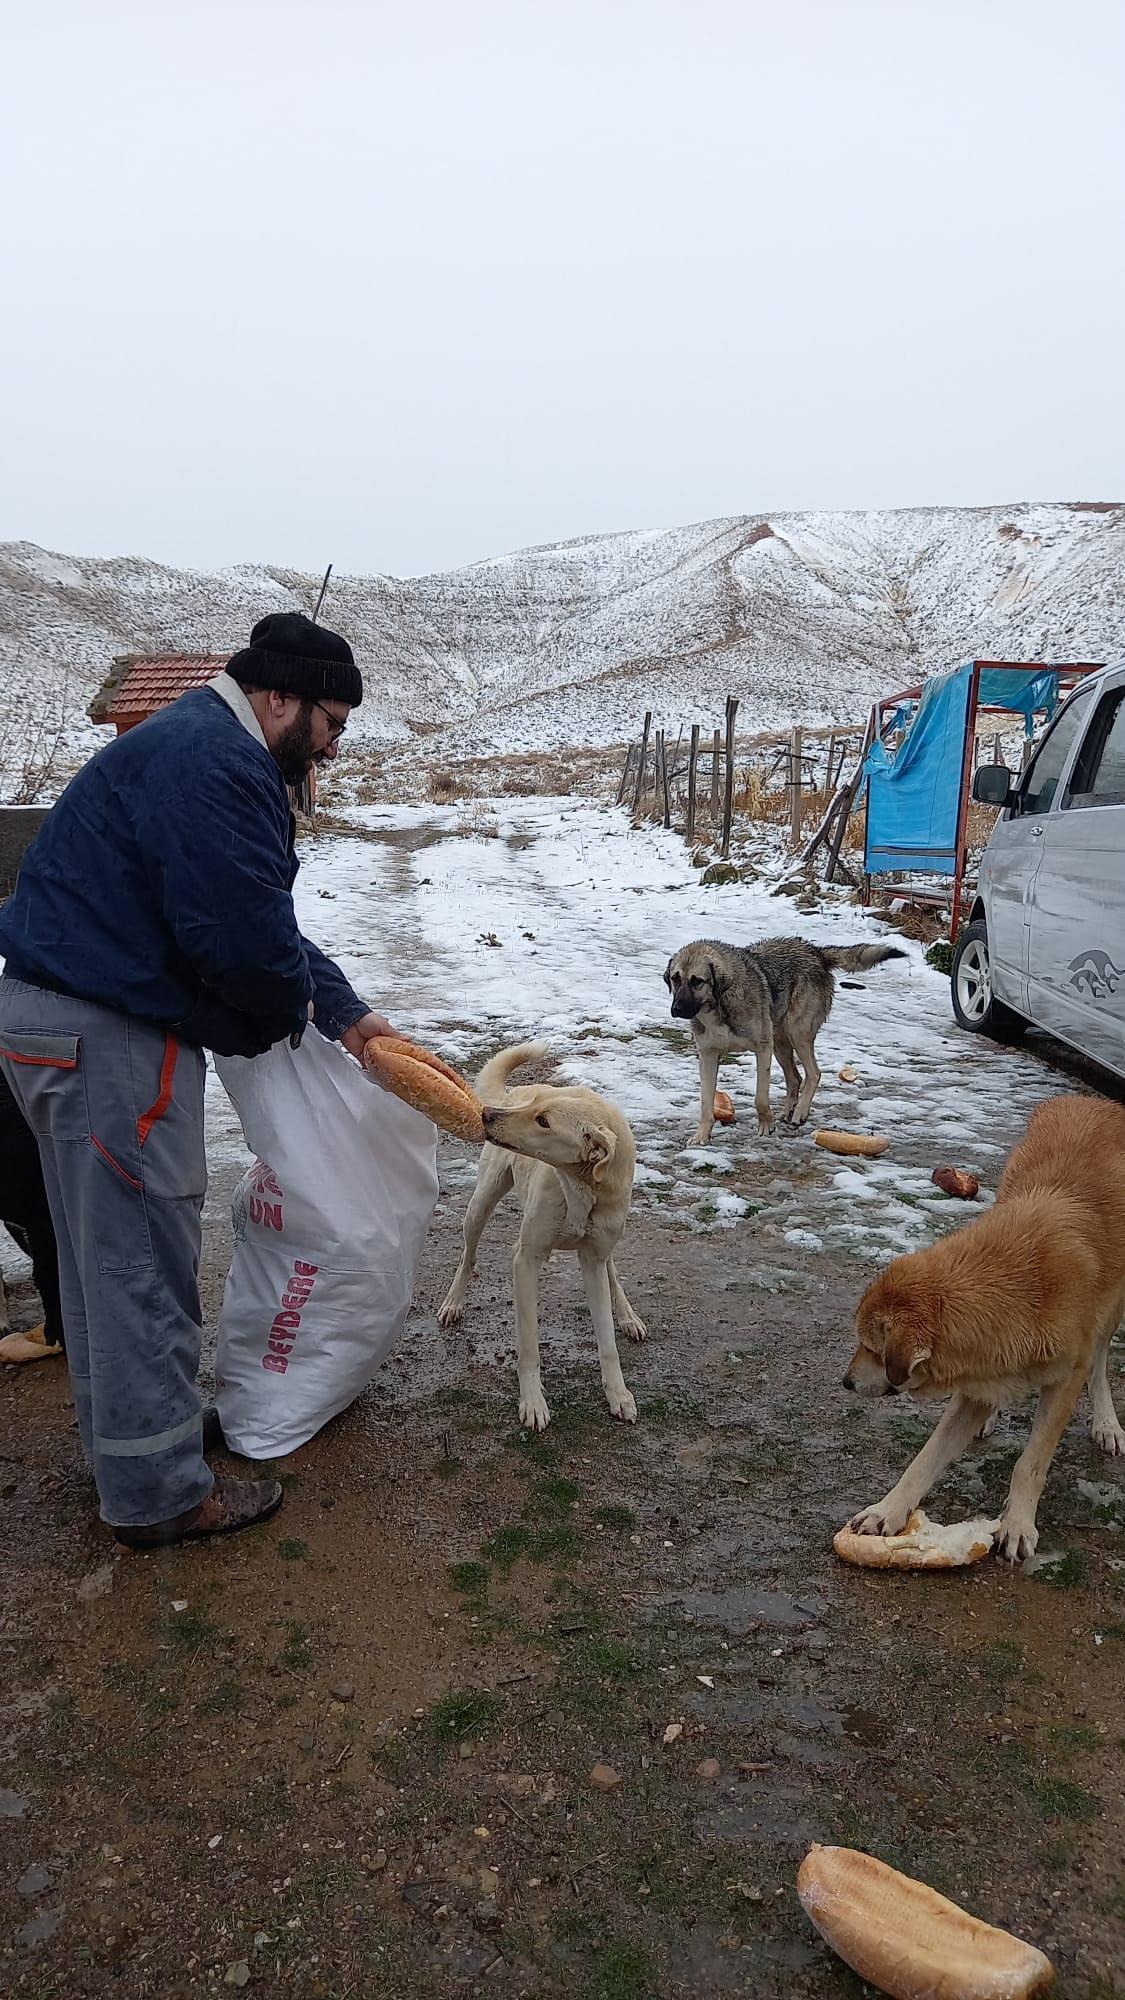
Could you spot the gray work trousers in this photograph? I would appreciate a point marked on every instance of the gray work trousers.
(117, 1108)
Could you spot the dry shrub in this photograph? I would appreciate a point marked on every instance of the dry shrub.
(446, 786)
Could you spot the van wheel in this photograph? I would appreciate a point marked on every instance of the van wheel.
(970, 982)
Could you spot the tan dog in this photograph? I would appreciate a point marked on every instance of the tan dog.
(1025, 1299)
(570, 1157)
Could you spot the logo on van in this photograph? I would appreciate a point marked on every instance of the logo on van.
(1096, 974)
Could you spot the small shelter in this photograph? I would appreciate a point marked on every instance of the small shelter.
(142, 683)
(917, 795)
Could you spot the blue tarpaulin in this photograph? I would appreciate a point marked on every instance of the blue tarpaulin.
(914, 795)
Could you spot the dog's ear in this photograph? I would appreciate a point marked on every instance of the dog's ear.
(668, 972)
(905, 1353)
(601, 1145)
(719, 985)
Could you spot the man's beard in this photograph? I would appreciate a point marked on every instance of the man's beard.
(293, 752)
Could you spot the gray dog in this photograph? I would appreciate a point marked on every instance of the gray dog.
(773, 997)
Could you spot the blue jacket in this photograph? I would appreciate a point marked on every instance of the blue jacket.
(160, 885)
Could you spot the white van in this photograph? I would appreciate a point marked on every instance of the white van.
(1045, 941)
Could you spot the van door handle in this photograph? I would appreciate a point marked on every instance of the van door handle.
(1036, 832)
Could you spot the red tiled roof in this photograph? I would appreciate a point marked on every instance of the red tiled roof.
(151, 681)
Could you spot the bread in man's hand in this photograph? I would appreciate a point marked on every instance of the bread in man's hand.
(909, 1941)
(427, 1083)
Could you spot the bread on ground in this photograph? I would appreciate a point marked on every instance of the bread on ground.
(923, 1544)
(30, 1346)
(428, 1084)
(909, 1941)
(956, 1181)
(724, 1109)
(864, 1144)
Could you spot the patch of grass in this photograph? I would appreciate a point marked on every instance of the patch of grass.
(186, 1631)
(470, 1578)
(296, 1655)
(1000, 1662)
(506, 1546)
(621, 1519)
(292, 1549)
(561, 1544)
(595, 1676)
(326, 1881)
(1057, 1798)
(1076, 1736)
(456, 1717)
(1071, 1573)
(621, 1971)
(224, 1699)
(552, 1500)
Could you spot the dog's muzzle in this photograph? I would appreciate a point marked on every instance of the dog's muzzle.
(685, 1007)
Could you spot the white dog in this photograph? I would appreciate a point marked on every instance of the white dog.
(570, 1157)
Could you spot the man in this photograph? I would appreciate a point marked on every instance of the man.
(153, 918)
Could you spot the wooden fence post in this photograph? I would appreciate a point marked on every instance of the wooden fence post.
(641, 761)
(693, 758)
(714, 778)
(664, 773)
(623, 786)
(728, 794)
(795, 778)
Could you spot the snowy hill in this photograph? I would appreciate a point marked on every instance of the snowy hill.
(803, 616)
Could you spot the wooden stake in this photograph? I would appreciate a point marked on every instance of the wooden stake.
(323, 588)
(714, 778)
(693, 759)
(621, 789)
(795, 788)
(728, 794)
(641, 761)
(664, 772)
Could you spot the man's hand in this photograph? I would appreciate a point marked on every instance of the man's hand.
(362, 1031)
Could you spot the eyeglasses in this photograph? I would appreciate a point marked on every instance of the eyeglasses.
(338, 727)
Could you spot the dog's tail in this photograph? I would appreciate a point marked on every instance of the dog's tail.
(494, 1076)
(858, 957)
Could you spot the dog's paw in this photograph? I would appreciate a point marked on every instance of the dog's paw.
(451, 1311)
(989, 1425)
(701, 1136)
(632, 1327)
(621, 1405)
(1109, 1438)
(1017, 1536)
(767, 1126)
(534, 1414)
(885, 1518)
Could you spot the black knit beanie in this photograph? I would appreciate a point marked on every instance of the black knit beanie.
(288, 652)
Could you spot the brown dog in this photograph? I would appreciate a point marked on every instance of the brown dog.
(1025, 1299)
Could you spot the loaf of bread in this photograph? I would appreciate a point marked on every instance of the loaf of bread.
(923, 1544)
(865, 1145)
(724, 1109)
(956, 1181)
(427, 1083)
(30, 1346)
(909, 1941)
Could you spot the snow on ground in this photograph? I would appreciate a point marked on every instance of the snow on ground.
(553, 919)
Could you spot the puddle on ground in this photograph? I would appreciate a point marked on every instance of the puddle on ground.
(741, 1610)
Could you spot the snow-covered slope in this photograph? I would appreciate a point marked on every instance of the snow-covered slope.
(804, 616)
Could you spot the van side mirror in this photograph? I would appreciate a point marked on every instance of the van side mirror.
(994, 785)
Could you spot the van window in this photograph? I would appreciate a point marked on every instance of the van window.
(1099, 771)
(1038, 790)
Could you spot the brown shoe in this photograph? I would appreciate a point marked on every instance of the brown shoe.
(231, 1504)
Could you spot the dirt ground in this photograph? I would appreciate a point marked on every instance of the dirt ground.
(353, 1753)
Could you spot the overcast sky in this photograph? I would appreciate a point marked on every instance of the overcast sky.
(403, 285)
